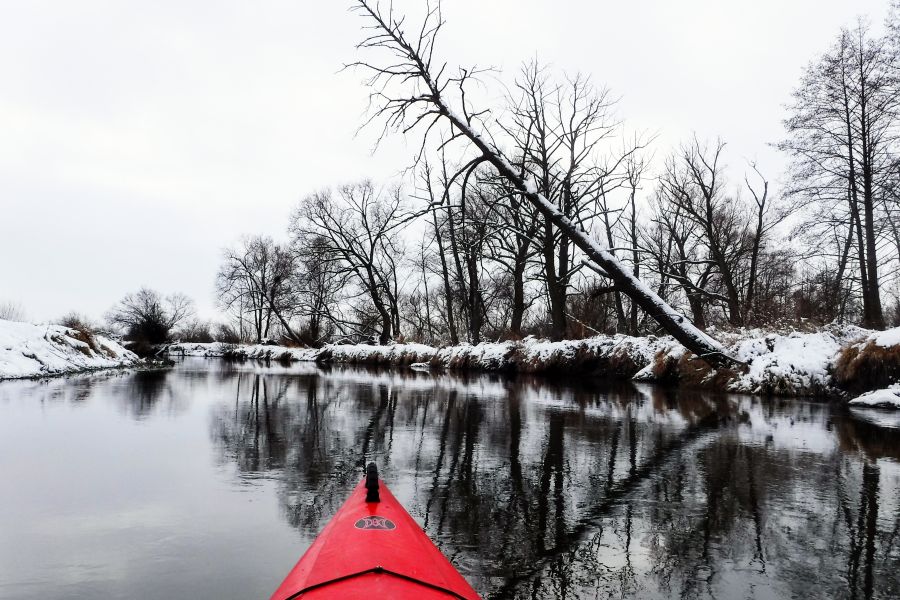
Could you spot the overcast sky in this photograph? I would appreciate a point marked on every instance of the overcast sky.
(137, 139)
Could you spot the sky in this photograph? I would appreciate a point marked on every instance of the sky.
(138, 139)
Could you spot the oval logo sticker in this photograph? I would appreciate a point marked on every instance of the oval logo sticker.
(375, 522)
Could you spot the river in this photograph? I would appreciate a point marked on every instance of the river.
(211, 479)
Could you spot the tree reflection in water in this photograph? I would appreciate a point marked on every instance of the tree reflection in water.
(537, 489)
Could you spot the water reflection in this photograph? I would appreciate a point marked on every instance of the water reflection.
(535, 489)
(542, 490)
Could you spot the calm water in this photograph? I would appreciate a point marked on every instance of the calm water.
(210, 480)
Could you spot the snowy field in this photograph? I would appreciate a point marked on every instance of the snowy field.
(28, 350)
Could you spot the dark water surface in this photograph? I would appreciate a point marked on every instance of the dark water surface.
(209, 481)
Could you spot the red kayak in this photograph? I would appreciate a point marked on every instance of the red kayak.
(372, 548)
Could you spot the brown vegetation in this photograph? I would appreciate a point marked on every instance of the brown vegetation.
(688, 371)
(867, 366)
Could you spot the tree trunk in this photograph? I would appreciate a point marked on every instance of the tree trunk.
(518, 299)
(474, 300)
(448, 288)
(876, 314)
(556, 294)
(867, 153)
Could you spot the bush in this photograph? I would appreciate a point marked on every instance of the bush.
(196, 331)
(227, 334)
(78, 322)
(147, 318)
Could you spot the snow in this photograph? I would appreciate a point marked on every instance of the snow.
(393, 354)
(795, 363)
(888, 397)
(29, 350)
(397, 354)
(887, 338)
(618, 355)
(243, 352)
(529, 355)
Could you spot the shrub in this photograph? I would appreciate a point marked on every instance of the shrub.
(227, 334)
(196, 331)
(147, 318)
(78, 322)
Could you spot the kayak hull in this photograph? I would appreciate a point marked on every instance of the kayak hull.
(373, 550)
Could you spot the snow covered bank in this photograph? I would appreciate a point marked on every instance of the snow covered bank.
(782, 364)
(241, 352)
(393, 355)
(828, 362)
(871, 362)
(618, 356)
(28, 350)
(884, 398)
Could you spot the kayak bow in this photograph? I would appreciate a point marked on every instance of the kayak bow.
(372, 548)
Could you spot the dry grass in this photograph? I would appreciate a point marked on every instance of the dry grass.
(87, 337)
(687, 371)
(867, 366)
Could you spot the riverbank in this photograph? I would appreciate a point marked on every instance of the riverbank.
(834, 362)
(33, 351)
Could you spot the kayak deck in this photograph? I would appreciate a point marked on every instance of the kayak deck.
(376, 585)
(373, 550)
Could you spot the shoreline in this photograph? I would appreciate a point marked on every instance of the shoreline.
(31, 351)
(137, 367)
(834, 363)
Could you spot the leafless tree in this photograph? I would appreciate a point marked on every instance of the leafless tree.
(729, 232)
(255, 282)
(437, 190)
(842, 137)
(146, 316)
(676, 256)
(358, 229)
(409, 90)
(558, 129)
(317, 288)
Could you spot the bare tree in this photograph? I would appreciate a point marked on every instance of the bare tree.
(316, 288)
(146, 316)
(514, 248)
(558, 129)
(438, 195)
(358, 230)
(730, 233)
(425, 101)
(255, 282)
(842, 137)
(677, 256)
